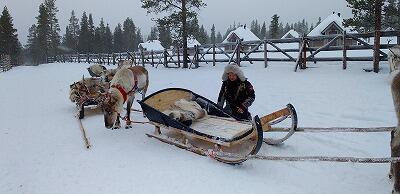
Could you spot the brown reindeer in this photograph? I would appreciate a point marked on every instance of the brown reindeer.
(395, 139)
(123, 86)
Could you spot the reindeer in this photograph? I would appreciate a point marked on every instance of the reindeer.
(96, 70)
(125, 63)
(123, 87)
(394, 58)
(395, 136)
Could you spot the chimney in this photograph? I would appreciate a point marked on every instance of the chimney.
(338, 14)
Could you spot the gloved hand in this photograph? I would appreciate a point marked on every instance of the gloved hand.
(241, 109)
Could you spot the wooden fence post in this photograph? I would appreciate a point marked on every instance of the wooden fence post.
(214, 54)
(152, 58)
(88, 58)
(239, 47)
(134, 57)
(265, 54)
(165, 58)
(196, 56)
(344, 50)
(304, 55)
(179, 60)
(142, 55)
(377, 38)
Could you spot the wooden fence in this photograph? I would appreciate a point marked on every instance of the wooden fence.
(245, 51)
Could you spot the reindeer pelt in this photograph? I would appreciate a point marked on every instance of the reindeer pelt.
(86, 87)
(184, 110)
(395, 141)
(96, 70)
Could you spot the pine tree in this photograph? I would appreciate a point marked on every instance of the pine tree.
(99, 38)
(212, 36)
(311, 27)
(43, 34)
(118, 39)
(203, 36)
(153, 34)
(67, 41)
(9, 43)
(363, 19)
(91, 30)
(391, 16)
(274, 26)
(129, 35)
(318, 22)
(32, 46)
(84, 40)
(54, 33)
(165, 36)
(229, 30)
(263, 32)
(180, 13)
(138, 39)
(286, 28)
(194, 29)
(255, 28)
(108, 40)
(72, 33)
(219, 38)
(280, 30)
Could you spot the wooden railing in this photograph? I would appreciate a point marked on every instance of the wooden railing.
(245, 51)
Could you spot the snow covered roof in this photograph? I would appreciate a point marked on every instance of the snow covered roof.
(191, 42)
(291, 32)
(332, 19)
(243, 33)
(151, 45)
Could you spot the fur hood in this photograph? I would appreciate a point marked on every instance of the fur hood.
(233, 68)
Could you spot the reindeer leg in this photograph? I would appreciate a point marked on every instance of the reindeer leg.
(128, 112)
(144, 93)
(117, 124)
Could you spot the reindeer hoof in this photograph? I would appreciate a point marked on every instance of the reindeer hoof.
(128, 126)
(116, 127)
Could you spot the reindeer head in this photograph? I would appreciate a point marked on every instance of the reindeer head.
(111, 109)
(108, 75)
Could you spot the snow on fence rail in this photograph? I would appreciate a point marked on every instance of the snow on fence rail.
(307, 48)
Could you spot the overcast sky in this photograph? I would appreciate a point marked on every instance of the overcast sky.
(222, 13)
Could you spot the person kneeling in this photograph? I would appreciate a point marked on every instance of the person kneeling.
(237, 92)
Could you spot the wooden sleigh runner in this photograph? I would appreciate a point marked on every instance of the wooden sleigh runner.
(219, 134)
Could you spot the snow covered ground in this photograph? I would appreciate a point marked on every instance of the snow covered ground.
(42, 151)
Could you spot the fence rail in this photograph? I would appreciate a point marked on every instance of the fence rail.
(307, 50)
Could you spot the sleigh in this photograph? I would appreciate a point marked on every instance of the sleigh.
(219, 135)
(87, 92)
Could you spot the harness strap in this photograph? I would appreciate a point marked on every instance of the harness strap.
(122, 90)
